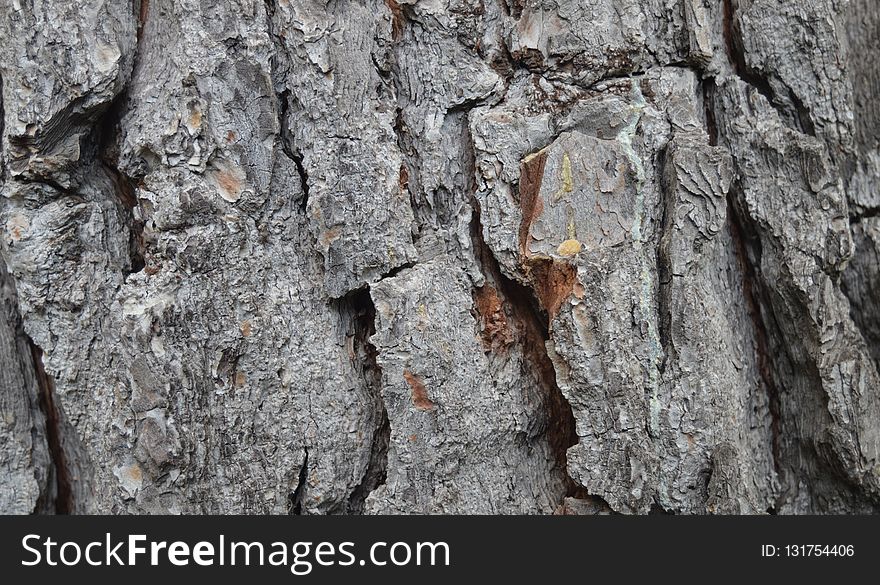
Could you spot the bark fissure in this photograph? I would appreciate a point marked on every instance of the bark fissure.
(108, 128)
(142, 14)
(282, 98)
(664, 269)
(747, 243)
(398, 18)
(295, 504)
(64, 500)
(863, 214)
(289, 150)
(708, 89)
(736, 55)
(303, 181)
(397, 270)
(753, 291)
(2, 135)
(359, 308)
(533, 325)
(798, 116)
(19, 390)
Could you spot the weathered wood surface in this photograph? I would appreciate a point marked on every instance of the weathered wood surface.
(440, 256)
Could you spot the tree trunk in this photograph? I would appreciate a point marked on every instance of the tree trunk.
(452, 256)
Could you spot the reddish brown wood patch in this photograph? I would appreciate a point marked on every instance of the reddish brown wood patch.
(419, 393)
(397, 18)
(531, 173)
(554, 281)
(495, 331)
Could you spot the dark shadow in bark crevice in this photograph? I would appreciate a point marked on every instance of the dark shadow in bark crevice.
(358, 314)
(531, 322)
(64, 500)
(790, 107)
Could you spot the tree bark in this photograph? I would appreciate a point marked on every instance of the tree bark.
(452, 256)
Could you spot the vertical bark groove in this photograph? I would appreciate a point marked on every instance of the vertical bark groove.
(363, 311)
(64, 499)
(748, 255)
(296, 497)
(532, 323)
(797, 115)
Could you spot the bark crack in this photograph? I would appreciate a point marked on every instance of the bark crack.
(664, 267)
(283, 107)
(64, 501)
(289, 151)
(2, 129)
(866, 213)
(746, 244)
(360, 311)
(798, 115)
(107, 129)
(296, 498)
(795, 457)
(533, 324)
(143, 12)
(708, 88)
(303, 181)
(752, 292)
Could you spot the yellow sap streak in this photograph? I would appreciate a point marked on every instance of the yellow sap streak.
(567, 178)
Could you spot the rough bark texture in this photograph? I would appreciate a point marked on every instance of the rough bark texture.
(440, 256)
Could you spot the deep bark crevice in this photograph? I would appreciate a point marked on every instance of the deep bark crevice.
(2, 129)
(746, 243)
(107, 130)
(736, 54)
(747, 250)
(18, 373)
(64, 500)
(47, 182)
(802, 457)
(143, 12)
(709, 88)
(408, 174)
(377, 467)
(290, 151)
(283, 99)
(795, 114)
(864, 213)
(303, 181)
(398, 18)
(664, 266)
(802, 113)
(531, 313)
(789, 376)
(360, 311)
(533, 327)
(397, 270)
(295, 499)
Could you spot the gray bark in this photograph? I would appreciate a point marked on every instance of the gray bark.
(453, 256)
